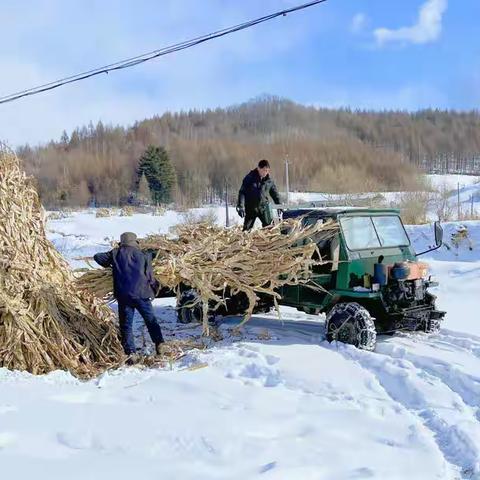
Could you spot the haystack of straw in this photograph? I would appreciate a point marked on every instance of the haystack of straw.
(59, 215)
(215, 260)
(103, 212)
(127, 211)
(46, 322)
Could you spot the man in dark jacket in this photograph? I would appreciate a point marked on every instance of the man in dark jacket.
(133, 286)
(253, 197)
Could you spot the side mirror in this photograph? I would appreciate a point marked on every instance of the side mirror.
(438, 239)
(438, 234)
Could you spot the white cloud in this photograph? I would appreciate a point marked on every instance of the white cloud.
(427, 29)
(359, 22)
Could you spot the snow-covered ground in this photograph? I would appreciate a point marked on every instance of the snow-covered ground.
(275, 401)
(452, 181)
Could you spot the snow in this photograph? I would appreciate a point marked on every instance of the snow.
(452, 181)
(274, 401)
(306, 197)
(457, 270)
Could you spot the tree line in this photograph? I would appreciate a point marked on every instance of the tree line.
(198, 153)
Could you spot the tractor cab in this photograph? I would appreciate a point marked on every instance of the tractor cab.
(364, 236)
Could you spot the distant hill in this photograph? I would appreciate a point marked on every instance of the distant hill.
(329, 150)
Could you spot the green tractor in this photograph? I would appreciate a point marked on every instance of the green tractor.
(371, 281)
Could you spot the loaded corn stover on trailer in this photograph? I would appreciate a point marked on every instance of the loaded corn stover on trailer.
(372, 283)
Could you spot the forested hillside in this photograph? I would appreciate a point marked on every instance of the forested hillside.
(328, 150)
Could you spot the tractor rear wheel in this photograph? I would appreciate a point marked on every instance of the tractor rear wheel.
(351, 323)
(189, 307)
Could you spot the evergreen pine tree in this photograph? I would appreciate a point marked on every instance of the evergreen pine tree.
(155, 164)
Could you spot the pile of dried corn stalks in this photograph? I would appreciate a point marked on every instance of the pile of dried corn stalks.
(127, 211)
(104, 212)
(213, 260)
(46, 322)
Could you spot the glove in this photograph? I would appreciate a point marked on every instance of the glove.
(241, 212)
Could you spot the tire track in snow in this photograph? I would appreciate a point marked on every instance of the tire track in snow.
(463, 342)
(467, 386)
(441, 410)
(265, 370)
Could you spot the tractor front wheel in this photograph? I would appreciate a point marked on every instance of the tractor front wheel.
(430, 325)
(351, 323)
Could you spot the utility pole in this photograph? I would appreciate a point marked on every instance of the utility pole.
(227, 218)
(458, 201)
(287, 182)
(418, 152)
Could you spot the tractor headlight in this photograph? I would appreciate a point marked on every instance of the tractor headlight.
(423, 267)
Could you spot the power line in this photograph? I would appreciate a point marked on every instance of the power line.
(145, 57)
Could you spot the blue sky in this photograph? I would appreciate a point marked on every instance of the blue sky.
(380, 54)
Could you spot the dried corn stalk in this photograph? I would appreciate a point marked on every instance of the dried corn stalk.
(46, 322)
(213, 260)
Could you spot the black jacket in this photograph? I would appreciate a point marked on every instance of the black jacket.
(255, 191)
(132, 273)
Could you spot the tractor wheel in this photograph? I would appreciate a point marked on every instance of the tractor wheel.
(430, 326)
(189, 307)
(351, 323)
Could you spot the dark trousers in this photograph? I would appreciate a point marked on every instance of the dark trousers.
(126, 311)
(263, 213)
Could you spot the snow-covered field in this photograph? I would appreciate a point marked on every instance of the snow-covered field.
(463, 189)
(276, 402)
(452, 181)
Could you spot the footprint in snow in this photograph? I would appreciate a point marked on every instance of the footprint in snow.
(267, 467)
(247, 353)
(272, 359)
(266, 376)
(79, 441)
(361, 473)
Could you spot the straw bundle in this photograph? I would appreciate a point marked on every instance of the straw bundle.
(158, 211)
(127, 211)
(58, 215)
(46, 322)
(212, 259)
(103, 212)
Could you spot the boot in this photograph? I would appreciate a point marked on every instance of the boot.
(160, 348)
(132, 359)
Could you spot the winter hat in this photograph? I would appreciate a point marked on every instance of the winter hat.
(129, 239)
